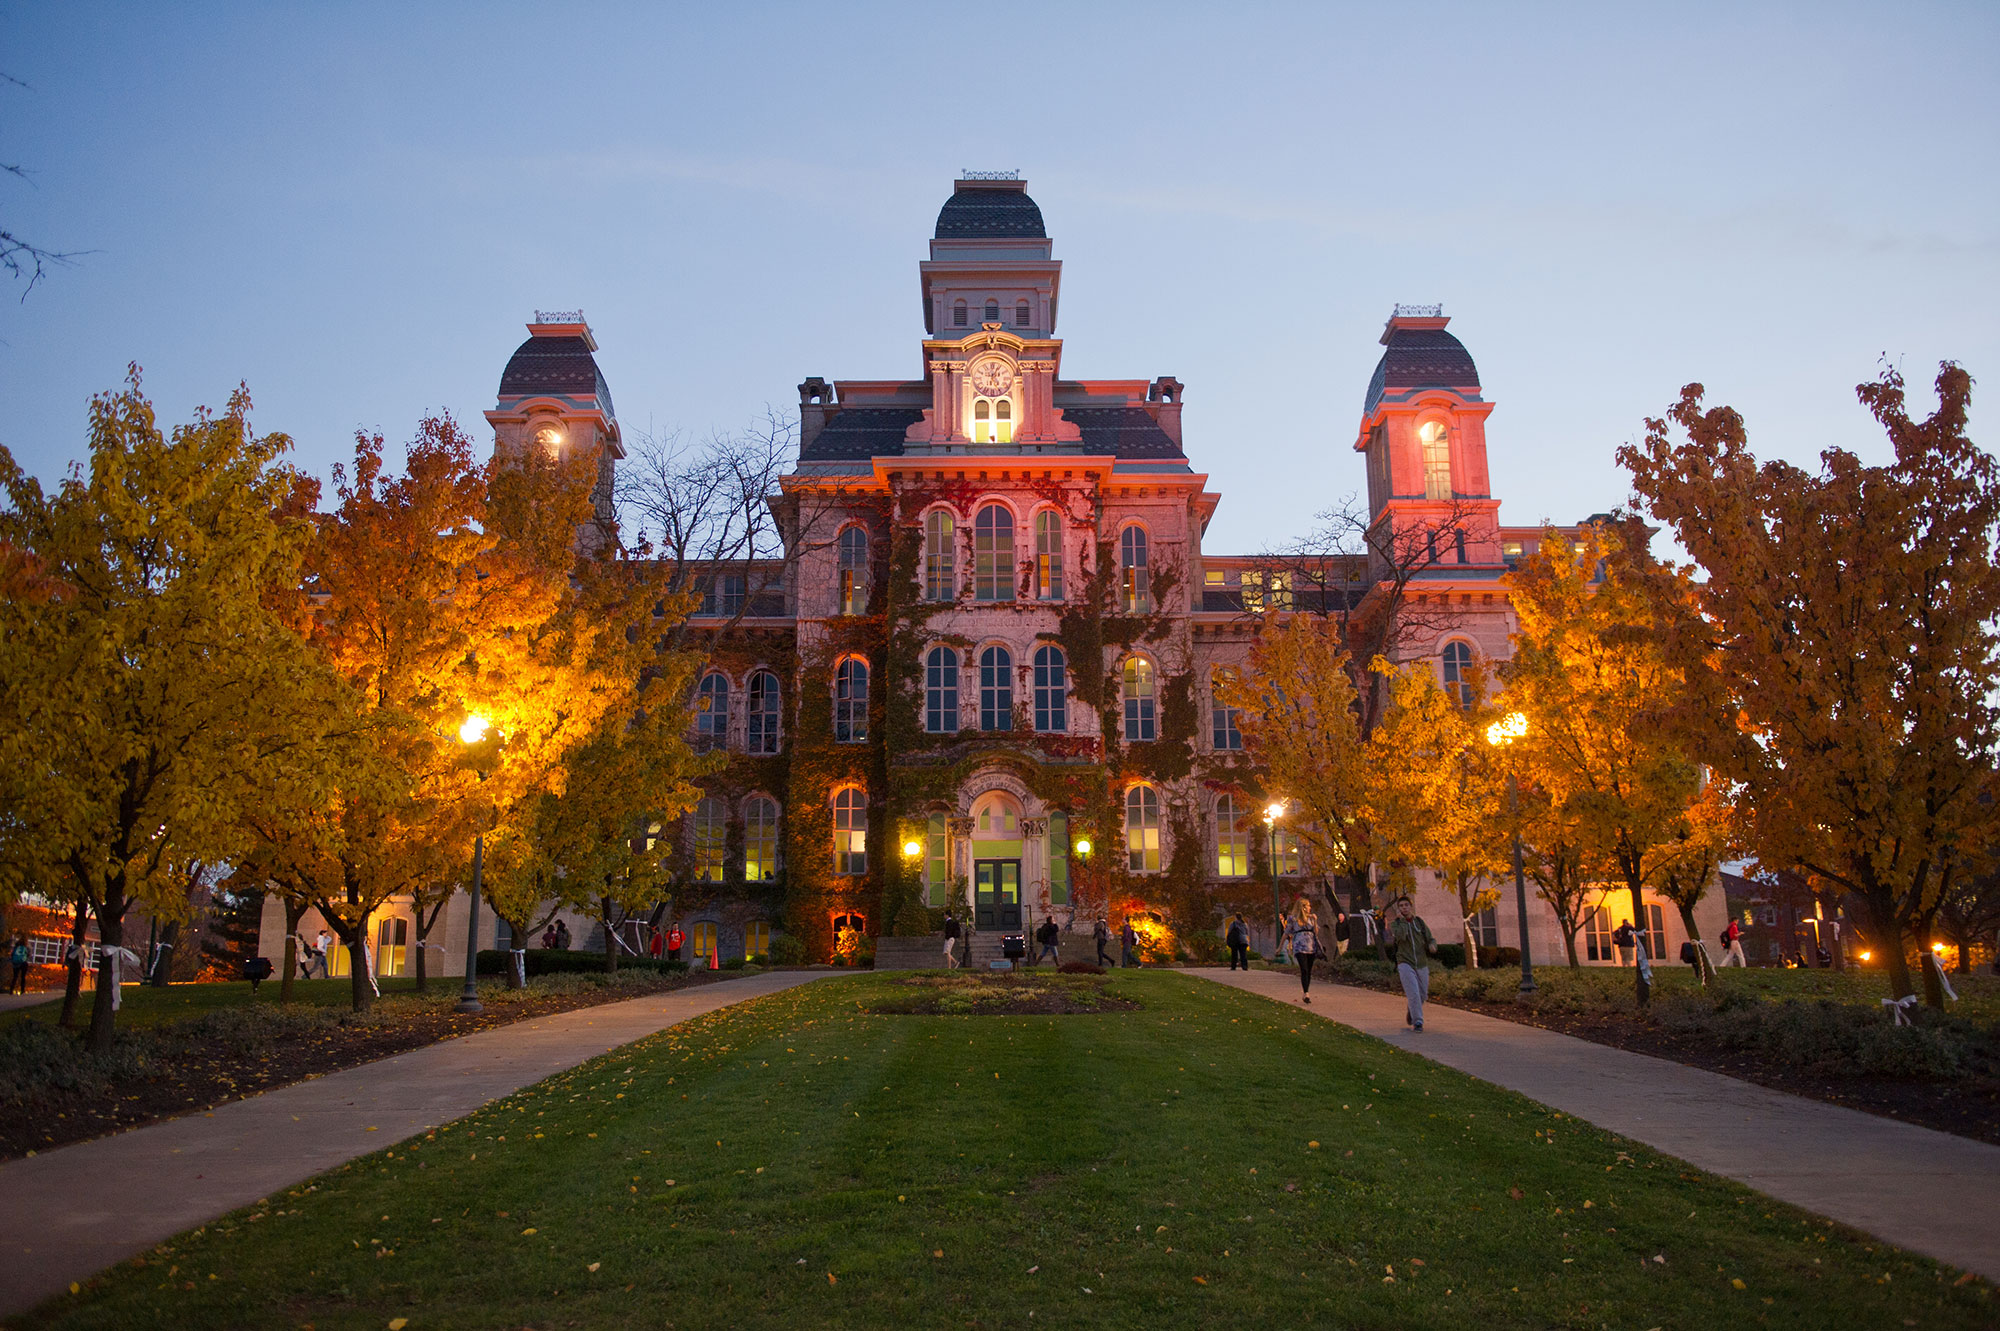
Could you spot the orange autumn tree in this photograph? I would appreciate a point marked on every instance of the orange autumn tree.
(1591, 673)
(1847, 621)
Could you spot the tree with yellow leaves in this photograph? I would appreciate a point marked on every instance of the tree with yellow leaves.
(1847, 626)
(1437, 797)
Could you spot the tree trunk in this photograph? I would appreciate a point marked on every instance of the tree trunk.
(1704, 968)
(357, 966)
(1928, 966)
(163, 965)
(1569, 941)
(294, 912)
(610, 943)
(73, 982)
(1641, 991)
(110, 934)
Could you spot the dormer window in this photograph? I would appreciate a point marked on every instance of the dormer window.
(1021, 315)
(1437, 459)
(958, 315)
(992, 311)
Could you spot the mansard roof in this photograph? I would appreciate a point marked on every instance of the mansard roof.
(1420, 358)
(980, 209)
(855, 434)
(546, 366)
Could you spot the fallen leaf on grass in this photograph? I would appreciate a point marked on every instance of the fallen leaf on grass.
(529, 1230)
(1037, 1267)
(1516, 1193)
(830, 1279)
(1201, 1280)
(1738, 1282)
(593, 1266)
(398, 1323)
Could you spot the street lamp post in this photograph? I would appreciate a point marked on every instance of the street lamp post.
(473, 732)
(1501, 734)
(1272, 813)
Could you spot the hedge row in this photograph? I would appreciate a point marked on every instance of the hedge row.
(553, 961)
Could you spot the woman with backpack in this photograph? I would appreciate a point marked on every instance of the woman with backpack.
(1305, 946)
(1239, 943)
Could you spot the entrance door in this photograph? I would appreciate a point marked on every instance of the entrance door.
(996, 894)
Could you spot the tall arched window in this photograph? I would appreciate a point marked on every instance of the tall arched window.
(1003, 422)
(938, 551)
(1232, 839)
(1051, 691)
(1436, 443)
(1142, 829)
(992, 311)
(761, 732)
(1138, 699)
(711, 839)
(760, 839)
(941, 691)
(993, 554)
(996, 689)
(1225, 733)
(711, 713)
(850, 701)
(1021, 314)
(958, 314)
(1048, 555)
(1136, 581)
(850, 832)
(1458, 672)
(853, 571)
(982, 422)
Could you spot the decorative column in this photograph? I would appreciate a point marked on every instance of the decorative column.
(960, 830)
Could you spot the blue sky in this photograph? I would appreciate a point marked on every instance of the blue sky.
(354, 208)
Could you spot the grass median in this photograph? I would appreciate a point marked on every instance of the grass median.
(1208, 1156)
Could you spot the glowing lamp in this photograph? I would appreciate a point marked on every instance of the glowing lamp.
(1083, 847)
(1507, 729)
(1274, 811)
(1937, 947)
(912, 849)
(474, 729)
(1866, 955)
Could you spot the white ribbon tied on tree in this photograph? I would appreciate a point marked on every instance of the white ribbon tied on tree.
(1901, 1007)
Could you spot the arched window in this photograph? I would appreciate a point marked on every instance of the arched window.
(996, 689)
(1003, 422)
(938, 577)
(850, 832)
(992, 310)
(756, 939)
(1228, 738)
(1142, 830)
(1051, 691)
(850, 701)
(1138, 699)
(982, 422)
(958, 314)
(711, 839)
(1232, 839)
(1020, 314)
(702, 935)
(1136, 581)
(1048, 555)
(941, 691)
(760, 840)
(853, 571)
(711, 713)
(1436, 443)
(1458, 672)
(993, 554)
(762, 732)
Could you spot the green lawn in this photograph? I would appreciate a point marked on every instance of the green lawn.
(144, 1005)
(1209, 1159)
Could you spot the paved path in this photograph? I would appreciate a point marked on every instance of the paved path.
(1929, 1192)
(71, 1212)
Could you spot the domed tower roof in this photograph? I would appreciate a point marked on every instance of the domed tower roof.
(1421, 354)
(556, 361)
(980, 209)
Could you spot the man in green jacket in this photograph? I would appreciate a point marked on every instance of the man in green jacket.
(1414, 946)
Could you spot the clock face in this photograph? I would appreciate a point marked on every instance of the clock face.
(992, 378)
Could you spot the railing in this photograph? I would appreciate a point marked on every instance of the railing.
(567, 316)
(1420, 311)
(989, 175)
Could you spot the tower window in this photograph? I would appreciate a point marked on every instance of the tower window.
(853, 571)
(1051, 691)
(850, 832)
(941, 691)
(993, 554)
(1224, 731)
(958, 315)
(1021, 315)
(1142, 830)
(1137, 581)
(1003, 422)
(760, 840)
(710, 840)
(996, 689)
(938, 557)
(1048, 556)
(1458, 673)
(711, 713)
(850, 702)
(1138, 699)
(762, 731)
(992, 311)
(1437, 459)
(982, 422)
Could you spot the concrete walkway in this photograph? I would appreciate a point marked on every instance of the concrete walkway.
(1927, 1191)
(71, 1212)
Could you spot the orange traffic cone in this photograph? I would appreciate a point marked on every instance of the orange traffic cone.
(714, 960)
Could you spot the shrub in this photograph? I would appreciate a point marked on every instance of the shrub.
(733, 964)
(1825, 1038)
(545, 961)
(1204, 948)
(1451, 956)
(787, 951)
(1492, 958)
(36, 1056)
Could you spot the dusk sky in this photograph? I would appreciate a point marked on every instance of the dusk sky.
(354, 209)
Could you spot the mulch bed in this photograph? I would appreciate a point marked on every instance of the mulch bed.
(1966, 1108)
(214, 1074)
(998, 995)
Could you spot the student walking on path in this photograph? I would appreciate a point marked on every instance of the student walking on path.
(1046, 936)
(1414, 947)
(1305, 947)
(1239, 943)
(951, 933)
(1100, 933)
(17, 978)
(1129, 938)
(1732, 946)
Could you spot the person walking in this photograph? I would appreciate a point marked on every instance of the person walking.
(1414, 947)
(1284, 932)
(17, 959)
(1305, 946)
(1625, 937)
(1128, 938)
(1046, 935)
(1238, 939)
(675, 941)
(658, 946)
(951, 934)
(1732, 946)
(323, 951)
(1100, 933)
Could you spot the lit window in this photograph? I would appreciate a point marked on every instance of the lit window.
(941, 691)
(756, 939)
(762, 732)
(850, 701)
(548, 441)
(1058, 843)
(1051, 691)
(1003, 422)
(1138, 699)
(392, 943)
(702, 935)
(1142, 830)
(711, 839)
(711, 713)
(1597, 936)
(1510, 552)
(1437, 459)
(853, 571)
(958, 315)
(1225, 732)
(1458, 672)
(1288, 851)
(937, 857)
(1278, 590)
(850, 832)
(1048, 556)
(982, 422)
(996, 689)
(760, 841)
(1021, 314)
(1232, 840)
(993, 554)
(992, 311)
(938, 560)
(1136, 581)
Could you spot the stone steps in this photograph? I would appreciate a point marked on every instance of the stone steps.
(976, 952)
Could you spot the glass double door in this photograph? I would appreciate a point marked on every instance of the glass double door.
(996, 894)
